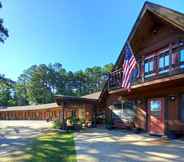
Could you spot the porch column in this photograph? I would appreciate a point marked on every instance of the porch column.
(142, 68)
(170, 58)
(63, 116)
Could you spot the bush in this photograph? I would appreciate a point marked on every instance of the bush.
(108, 124)
(57, 124)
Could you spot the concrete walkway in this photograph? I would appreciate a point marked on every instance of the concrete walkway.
(16, 134)
(100, 145)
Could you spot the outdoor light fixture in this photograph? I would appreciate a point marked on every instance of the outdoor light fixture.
(172, 98)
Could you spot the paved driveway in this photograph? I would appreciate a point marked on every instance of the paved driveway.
(100, 145)
(16, 134)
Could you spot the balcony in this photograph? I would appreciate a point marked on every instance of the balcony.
(115, 78)
(162, 65)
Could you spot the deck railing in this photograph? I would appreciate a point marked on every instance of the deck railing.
(115, 78)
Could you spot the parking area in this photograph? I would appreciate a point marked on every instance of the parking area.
(16, 134)
(101, 145)
(93, 145)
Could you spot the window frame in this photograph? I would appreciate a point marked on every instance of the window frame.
(155, 111)
(181, 63)
(150, 73)
(165, 68)
(178, 63)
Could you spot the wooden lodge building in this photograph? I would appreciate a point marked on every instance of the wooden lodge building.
(66, 107)
(156, 101)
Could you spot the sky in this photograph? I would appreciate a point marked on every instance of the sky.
(76, 33)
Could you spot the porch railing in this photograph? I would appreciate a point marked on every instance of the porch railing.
(115, 78)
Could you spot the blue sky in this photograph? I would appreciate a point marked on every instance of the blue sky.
(76, 33)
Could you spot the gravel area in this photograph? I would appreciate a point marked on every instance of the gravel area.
(101, 145)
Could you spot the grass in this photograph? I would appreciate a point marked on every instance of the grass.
(50, 147)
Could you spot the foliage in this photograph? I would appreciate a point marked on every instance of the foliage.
(6, 85)
(57, 124)
(39, 83)
(75, 120)
(108, 123)
(7, 92)
(3, 31)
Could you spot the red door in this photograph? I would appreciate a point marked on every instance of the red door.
(156, 116)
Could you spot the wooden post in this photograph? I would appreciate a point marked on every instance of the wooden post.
(142, 69)
(170, 58)
(108, 82)
(63, 116)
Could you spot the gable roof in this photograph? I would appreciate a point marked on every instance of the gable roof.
(92, 95)
(174, 17)
(90, 98)
(31, 107)
(169, 15)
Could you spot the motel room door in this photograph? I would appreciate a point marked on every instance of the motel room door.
(156, 116)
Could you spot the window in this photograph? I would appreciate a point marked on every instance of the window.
(181, 58)
(117, 110)
(124, 110)
(129, 109)
(155, 107)
(149, 67)
(182, 55)
(164, 62)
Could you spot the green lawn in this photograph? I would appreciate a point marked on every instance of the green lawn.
(50, 147)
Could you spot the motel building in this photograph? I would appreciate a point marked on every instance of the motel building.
(155, 103)
(66, 107)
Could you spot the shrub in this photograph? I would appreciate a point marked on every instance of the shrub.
(57, 124)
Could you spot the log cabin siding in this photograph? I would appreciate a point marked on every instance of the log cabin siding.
(51, 114)
(174, 122)
(140, 117)
(153, 32)
(83, 111)
(43, 114)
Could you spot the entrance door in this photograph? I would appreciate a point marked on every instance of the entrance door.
(156, 116)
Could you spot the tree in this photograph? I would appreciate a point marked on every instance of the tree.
(3, 31)
(40, 83)
(39, 86)
(7, 92)
(21, 90)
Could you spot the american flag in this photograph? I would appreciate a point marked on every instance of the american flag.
(128, 67)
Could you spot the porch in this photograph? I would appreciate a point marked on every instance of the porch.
(166, 63)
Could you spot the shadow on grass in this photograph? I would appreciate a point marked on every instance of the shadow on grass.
(51, 147)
